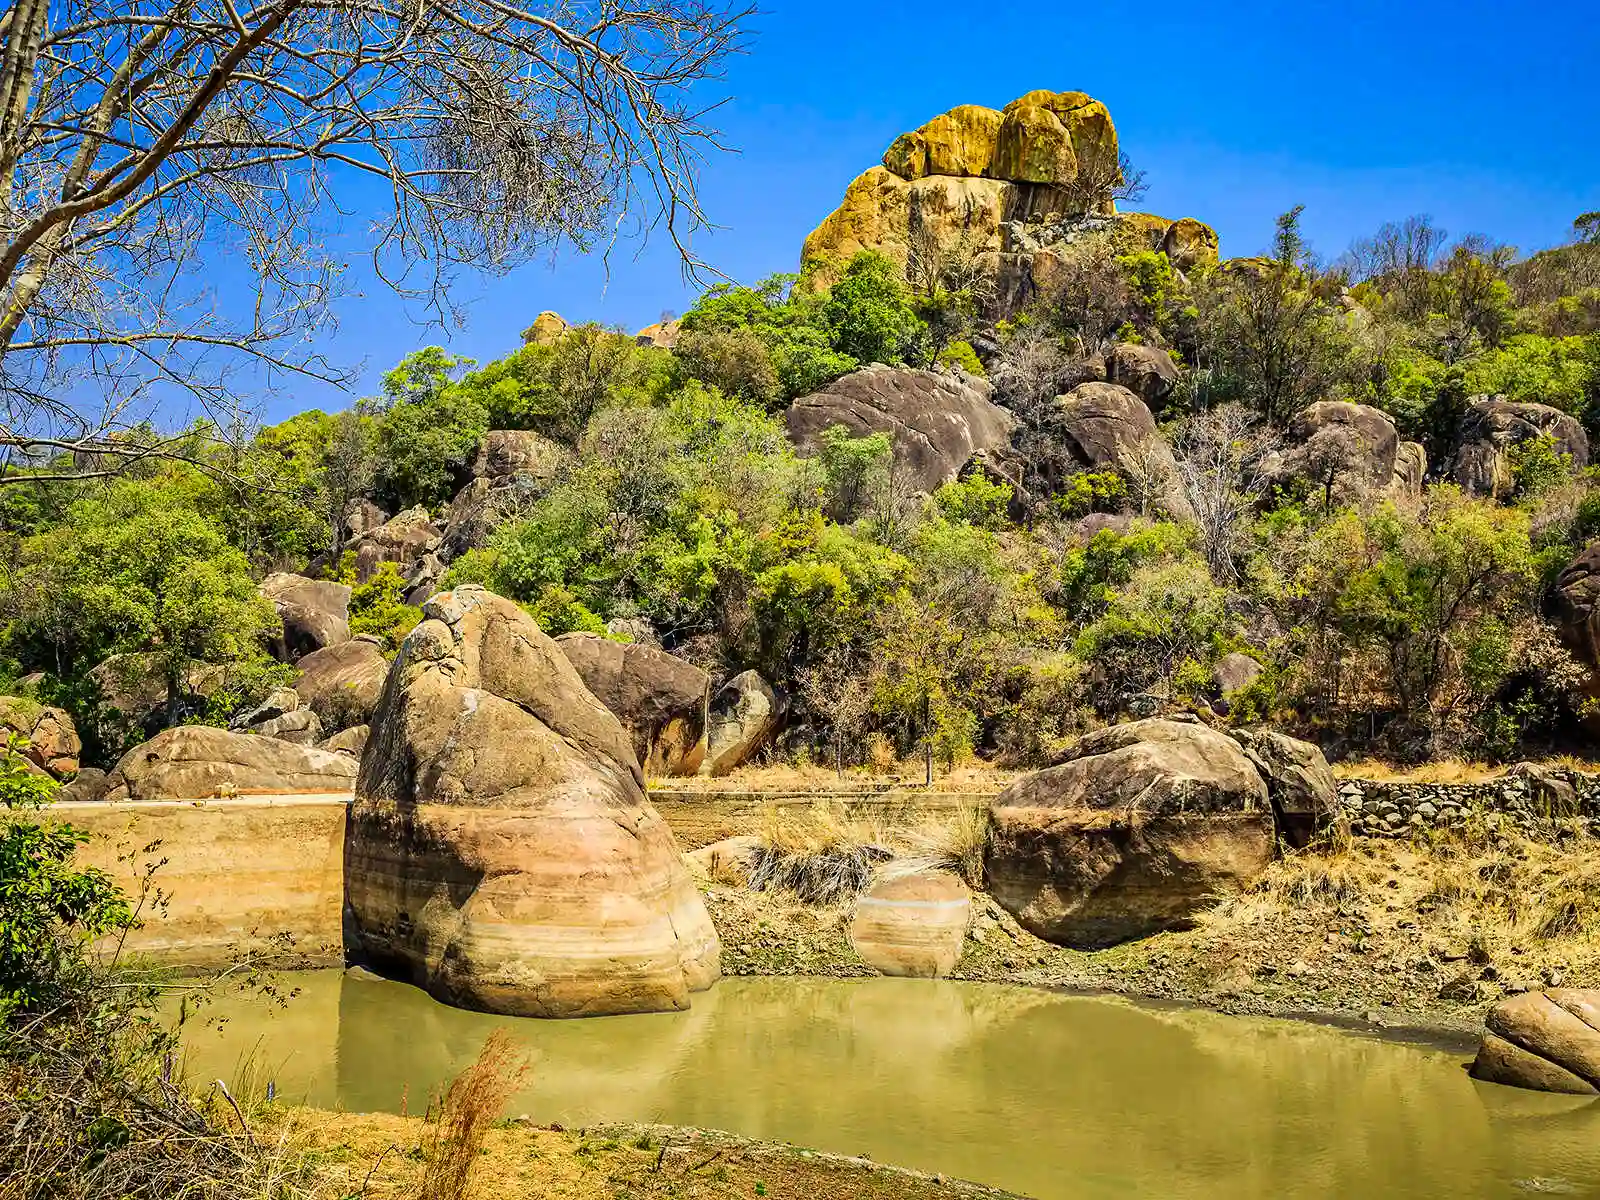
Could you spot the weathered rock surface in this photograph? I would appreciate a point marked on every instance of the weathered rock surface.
(663, 335)
(1007, 189)
(659, 698)
(362, 516)
(1548, 1041)
(726, 862)
(506, 454)
(402, 539)
(1410, 469)
(1105, 427)
(1300, 784)
(350, 741)
(1145, 825)
(912, 925)
(52, 739)
(501, 850)
(1493, 425)
(1235, 671)
(342, 683)
(281, 716)
(938, 420)
(1341, 452)
(1146, 371)
(88, 785)
(193, 762)
(547, 329)
(1575, 602)
(745, 713)
(315, 613)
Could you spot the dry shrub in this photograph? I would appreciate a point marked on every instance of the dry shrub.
(820, 853)
(954, 842)
(462, 1117)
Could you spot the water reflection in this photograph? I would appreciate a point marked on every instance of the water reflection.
(1048, 1095)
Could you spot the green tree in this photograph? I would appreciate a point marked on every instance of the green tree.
(136, 568)
(426, 428)
(869, 313)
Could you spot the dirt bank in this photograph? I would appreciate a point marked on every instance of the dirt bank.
(1423, 937)
(376, 1155)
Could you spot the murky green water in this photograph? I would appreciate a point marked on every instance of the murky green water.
(1047, 1095)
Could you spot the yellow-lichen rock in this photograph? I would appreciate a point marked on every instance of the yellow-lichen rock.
(546, 330)
(1003, 189)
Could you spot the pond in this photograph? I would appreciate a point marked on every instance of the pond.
(1049, 1095)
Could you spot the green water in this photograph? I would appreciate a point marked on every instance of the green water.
(1051, 1096)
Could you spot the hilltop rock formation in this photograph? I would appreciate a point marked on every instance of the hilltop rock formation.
(547, 329)
(508, 454)
(1547, 1041)
(52, 739)
(500, 849)
(1142, 826)
(193, 762)
(939, 421)
(1493, 425)
(315, 613)
(659, 698)
(1007, 189)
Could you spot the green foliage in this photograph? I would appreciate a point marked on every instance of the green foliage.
(1158, 633)
(378, 607)
(1538, 467)
(854, 469)
(1092, 491)
(137, 568)
(1561, 372)
(559, 611)
(426, 428)
(869, 313)
(788, 323)
(975, 500)
(49, 910)
(961, 354)
(1157, 290)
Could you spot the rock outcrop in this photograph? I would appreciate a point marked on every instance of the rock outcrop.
(53, 744)
(939, 421)
(1493, 425)
(1008, 189)
(547, 329)
(133, 691)
(1146, 371)
(1341, 452)
(1547, 1041)
(1575, 602)
(281, 716)
(912, 925)
(193, 762)
(659, 698)
(508, 454)
(403, 539)
(342, 683)
(315, 613)
(745, 713)
(1300, 784)
(352, 741)
(1106, 427)
(1236, 671)
(1144, 825)
(501, 851)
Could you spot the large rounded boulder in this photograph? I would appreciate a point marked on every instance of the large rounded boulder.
(1340, 452)
(1493, 426)
(1547, 1041)
(1142, 827)
(50, 738)
(1300, 784)
(938, 422)
(196, 762)
(659, 698)
(744, 714)
(342, 683)
(501, 852)
(912, 925)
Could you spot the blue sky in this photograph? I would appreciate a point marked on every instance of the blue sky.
(1481, 115)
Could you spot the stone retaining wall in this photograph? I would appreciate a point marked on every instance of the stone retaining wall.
(699, 818)
(1540, 804)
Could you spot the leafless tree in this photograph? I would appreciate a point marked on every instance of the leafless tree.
(1218, 458)
(143, 143)
(1102, 181)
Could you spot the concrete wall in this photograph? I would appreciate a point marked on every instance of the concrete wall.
(225, 878)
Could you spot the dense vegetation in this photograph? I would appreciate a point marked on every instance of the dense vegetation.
(984, 618)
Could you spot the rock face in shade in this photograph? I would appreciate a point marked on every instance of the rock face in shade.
(1304, 794)
(1493, 425)
(938, 421)
(1139, 830)
(315, 613)
(1547, 1041)
(1146, 371)
(913, 925)
(501, 852)
(1341, 450)
(1576, 604)
(659, 698)
(195, 762)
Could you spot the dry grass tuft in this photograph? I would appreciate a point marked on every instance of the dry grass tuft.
(462, 1117)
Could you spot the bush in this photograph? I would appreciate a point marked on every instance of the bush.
(378, 607)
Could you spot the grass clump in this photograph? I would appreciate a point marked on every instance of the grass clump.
(460, 1119)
